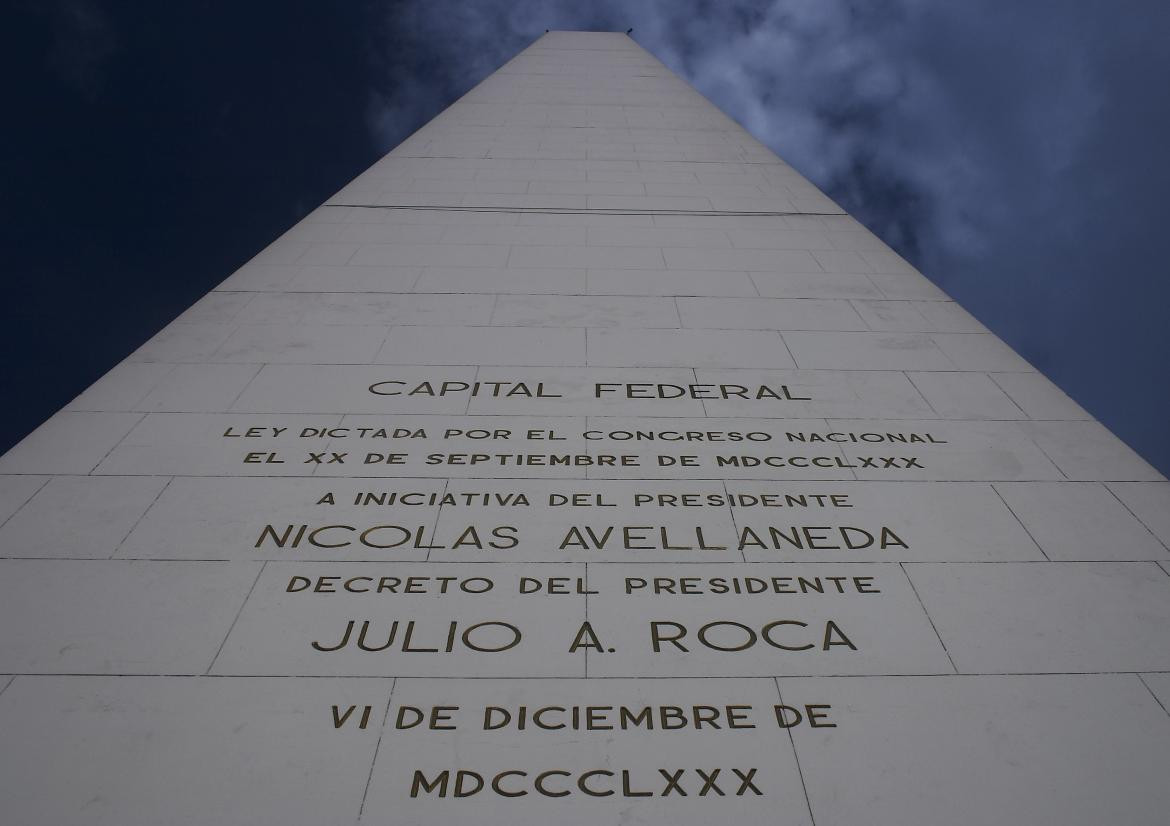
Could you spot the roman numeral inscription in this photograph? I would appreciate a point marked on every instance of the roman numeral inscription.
(581, 463)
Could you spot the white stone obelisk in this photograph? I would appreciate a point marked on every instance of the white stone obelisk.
(581, 463)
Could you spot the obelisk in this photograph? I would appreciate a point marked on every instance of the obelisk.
(581, 463)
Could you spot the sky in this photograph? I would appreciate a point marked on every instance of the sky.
(1013, 151)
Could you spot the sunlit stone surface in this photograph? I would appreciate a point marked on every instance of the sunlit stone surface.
(580, 463)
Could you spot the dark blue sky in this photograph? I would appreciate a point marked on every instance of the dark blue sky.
(1015, 151)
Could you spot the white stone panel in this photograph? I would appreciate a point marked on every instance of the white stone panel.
(540, 346)
(15, 491)
(866, 351)
(79, 516)
(1030, 741)
(585, 311)
(139, 751)
(625, 764)
(1050, 617)
(1038, 397)
(965, 396)
(69, 442)
(122, 618)
(768, 314)
(1080, 521)
(418, 630)
(706, 629)
(688, 348)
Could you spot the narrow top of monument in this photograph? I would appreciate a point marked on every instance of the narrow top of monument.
(599, 41)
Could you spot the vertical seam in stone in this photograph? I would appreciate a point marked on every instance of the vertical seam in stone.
(734, 521)
(840, 448)
(796, 757)
(341, 417)
(934, 342)
(1003, 390)
(1113, 493)
(28, 499)
(141, 516)
(247, 384)
(1021, 521)
(588, 451)
(115, 445)
(377, 748)
(1152, 694)
(438, 516)
(1040, 447)
(470, 398)
(918, 390)
(236, 618)
(174, 367)
(787, 349)
(929, 618)
(869, 280)
(586, 616)
(857, 312)
(381, 345)
(702, 403)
